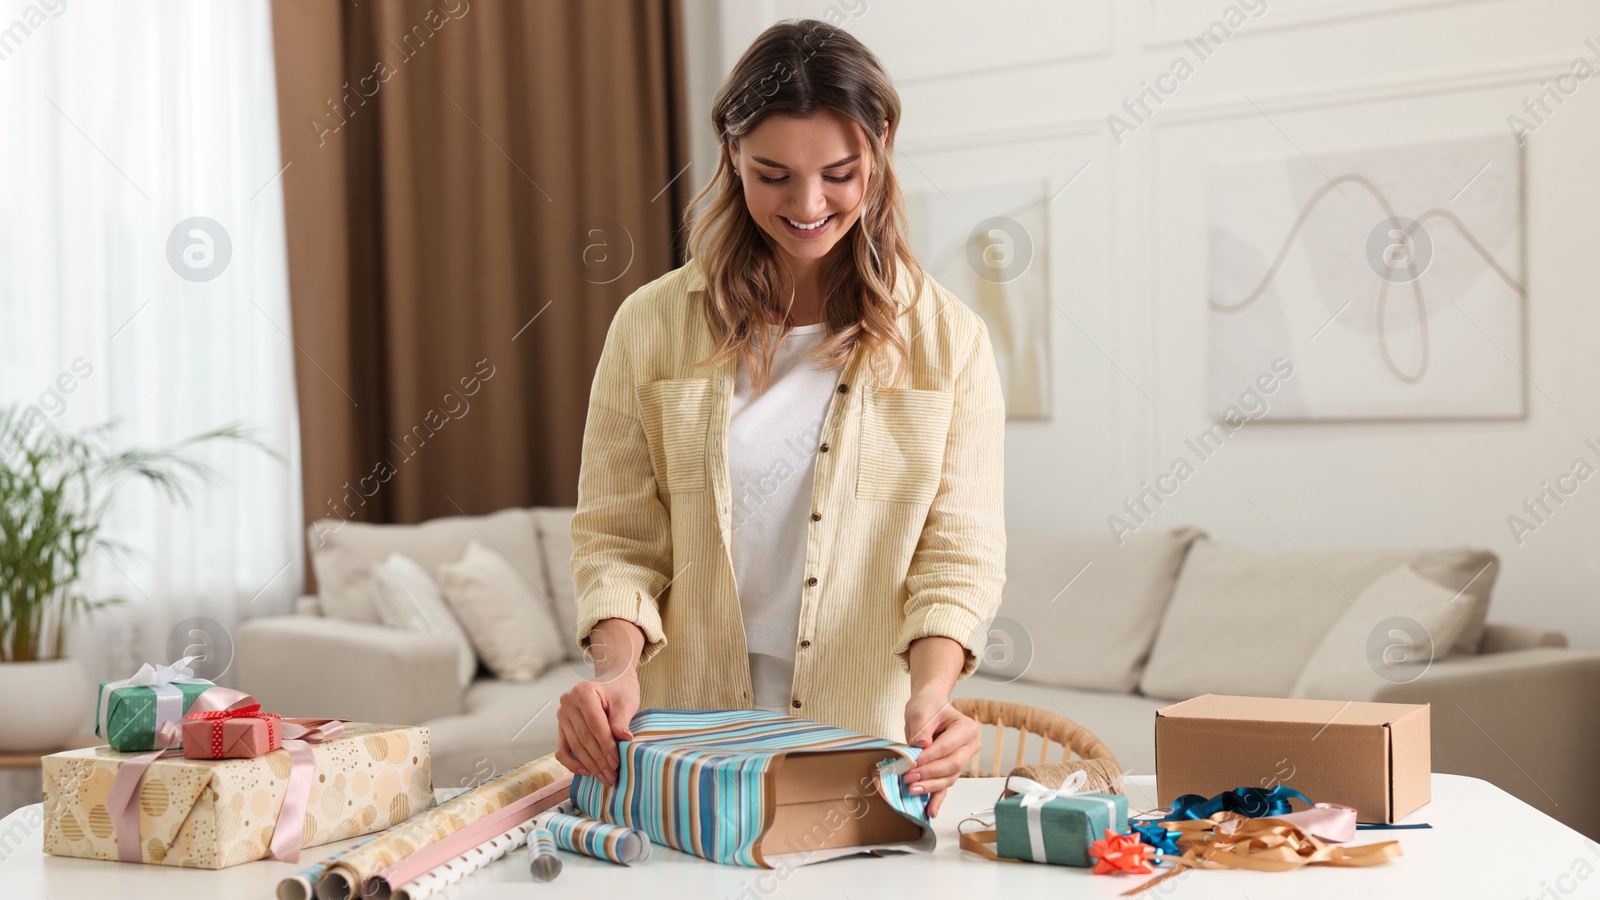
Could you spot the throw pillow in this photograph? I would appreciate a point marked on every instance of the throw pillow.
(408, 599)
(1392, 631)
(1244, 623)
(511, 626)
(343, 553)
(555, 543)
(1090, 606)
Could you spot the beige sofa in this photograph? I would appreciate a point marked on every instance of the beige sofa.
(1102, 631)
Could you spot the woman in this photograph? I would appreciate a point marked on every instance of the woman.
(790, 495)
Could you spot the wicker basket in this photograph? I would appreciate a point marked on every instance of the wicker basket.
(1015, 722)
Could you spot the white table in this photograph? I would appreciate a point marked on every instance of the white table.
(1458, 857)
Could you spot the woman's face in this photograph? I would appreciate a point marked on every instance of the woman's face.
(798, 172)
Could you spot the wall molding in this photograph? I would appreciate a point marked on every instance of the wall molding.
(1158, 37)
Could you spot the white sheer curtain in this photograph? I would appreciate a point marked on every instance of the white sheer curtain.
(118, 122)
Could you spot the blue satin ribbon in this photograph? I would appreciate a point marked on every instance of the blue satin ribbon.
(1246, 801)
(1163, 839)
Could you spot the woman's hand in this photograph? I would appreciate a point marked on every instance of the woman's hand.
(594, 714)
(949, 740)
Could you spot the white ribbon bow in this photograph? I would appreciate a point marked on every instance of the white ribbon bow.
(177, 673)
(1036, 795)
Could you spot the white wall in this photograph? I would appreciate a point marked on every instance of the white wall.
(1001, 92)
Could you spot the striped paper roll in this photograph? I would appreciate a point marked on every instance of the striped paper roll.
(616, 843)
(543, 861)
(303, 884)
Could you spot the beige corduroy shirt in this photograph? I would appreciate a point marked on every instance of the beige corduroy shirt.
(907, 534)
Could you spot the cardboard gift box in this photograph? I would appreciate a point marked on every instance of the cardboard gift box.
(755, 788)
(235, 737)
(128, 716)
(1373, 757)
(1042, 827)
(210, 814)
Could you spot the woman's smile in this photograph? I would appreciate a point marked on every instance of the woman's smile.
(809, 230)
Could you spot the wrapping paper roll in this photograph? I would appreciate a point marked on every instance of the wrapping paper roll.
(346, 874)
(303, 884)
(601, 840)
(443, 877)
(544, 864)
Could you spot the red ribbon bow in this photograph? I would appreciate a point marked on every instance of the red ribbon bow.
(218, 716)
(1121, 853)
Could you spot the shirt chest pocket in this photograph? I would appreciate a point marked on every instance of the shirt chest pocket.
(903, 435)
(676, 416)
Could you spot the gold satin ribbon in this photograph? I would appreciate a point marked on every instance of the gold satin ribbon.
(1263, 845)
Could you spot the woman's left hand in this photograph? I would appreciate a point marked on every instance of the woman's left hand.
(949, 740)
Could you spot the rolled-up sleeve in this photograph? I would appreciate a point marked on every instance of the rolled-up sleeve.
(958, 567)
(621, 531)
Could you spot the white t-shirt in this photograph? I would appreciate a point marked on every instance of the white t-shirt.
(772, 454)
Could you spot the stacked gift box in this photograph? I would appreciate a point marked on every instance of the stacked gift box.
(194, 774)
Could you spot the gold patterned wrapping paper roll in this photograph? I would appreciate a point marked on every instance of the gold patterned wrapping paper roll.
(344, 877)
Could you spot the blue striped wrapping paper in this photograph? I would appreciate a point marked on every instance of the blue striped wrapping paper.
(697, 781)
(543, 861)
(601, 840)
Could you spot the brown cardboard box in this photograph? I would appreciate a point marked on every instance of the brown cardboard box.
(828, 802)
(1373, 757)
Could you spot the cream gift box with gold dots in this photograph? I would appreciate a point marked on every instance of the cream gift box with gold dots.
(210, 814)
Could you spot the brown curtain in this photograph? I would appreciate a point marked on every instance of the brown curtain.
(471, 190)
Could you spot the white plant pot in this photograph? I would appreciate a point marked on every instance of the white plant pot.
(42, 704)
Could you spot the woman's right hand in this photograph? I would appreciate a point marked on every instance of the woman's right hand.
(594, 714)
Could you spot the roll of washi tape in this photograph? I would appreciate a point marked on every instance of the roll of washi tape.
(601, 840)
(543, 861)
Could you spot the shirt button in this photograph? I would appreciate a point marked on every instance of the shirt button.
(804, 644)
(797, 704)
(816, 517)
(811, 581)
(844, 388)
(824, 448)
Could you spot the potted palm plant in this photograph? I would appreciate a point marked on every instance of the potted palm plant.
(55, 491)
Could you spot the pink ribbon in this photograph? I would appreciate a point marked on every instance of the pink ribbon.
(298, 735)
(469, 836)
(1329, 821)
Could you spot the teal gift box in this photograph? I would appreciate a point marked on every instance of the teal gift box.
(127, 715)
(1047, 826)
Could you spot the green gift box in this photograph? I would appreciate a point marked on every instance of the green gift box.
(128, 715)
(1042, 824)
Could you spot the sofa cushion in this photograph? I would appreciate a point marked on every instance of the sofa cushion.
(512, 629)
(408, 599)
(1396, 627)
(343, 553)
(1241, 622)
(555, 545)
(1089, 607)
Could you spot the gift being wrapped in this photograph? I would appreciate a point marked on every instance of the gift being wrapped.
(130, 712)
(754, 788)
(211, 814)
(1054, 825)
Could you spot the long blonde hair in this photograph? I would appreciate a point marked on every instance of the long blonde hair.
(798, 68)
